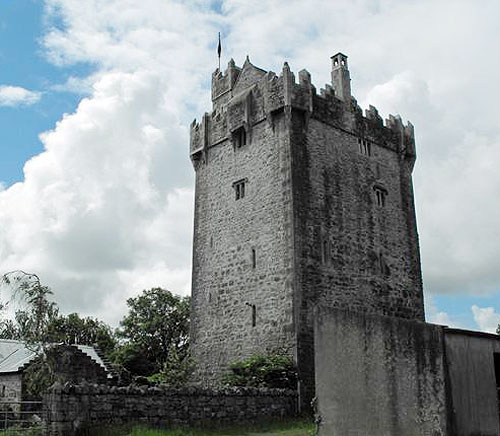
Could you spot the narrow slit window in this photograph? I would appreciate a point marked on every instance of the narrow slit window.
(239, 189)
(324, 252)
(254, 313)
(254, 258)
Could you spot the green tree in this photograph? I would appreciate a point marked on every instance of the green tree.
(38, 323)
(130, 358)
(176, 370)
(72, 329)
(156, 326)
(35, 312)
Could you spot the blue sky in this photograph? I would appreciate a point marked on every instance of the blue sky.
(106, 205)
(22, 24)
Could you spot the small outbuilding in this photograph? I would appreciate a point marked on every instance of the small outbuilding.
(73, 363)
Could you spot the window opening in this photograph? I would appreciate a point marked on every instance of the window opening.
(240, 137)
(324, 253)
(254, 313)
(384, 268)
(380, 196)
(239, 189)
(254, 258)
(365, 147)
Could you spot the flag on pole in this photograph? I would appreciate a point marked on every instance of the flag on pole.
(219, 49)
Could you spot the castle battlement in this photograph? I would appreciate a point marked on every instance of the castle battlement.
(300, 200)
(245, 96)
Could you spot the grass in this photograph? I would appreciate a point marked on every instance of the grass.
(290, 428)
(17, 431)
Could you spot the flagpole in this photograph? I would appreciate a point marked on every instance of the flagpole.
(219, 49)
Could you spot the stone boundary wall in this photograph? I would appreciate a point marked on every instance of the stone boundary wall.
(77, 409)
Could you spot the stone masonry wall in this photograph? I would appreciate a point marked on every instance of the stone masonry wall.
(354, 253)
(11, 387)
(227, 233)
(310, 215)
(351, 252)
(77, 410)
(72, 365)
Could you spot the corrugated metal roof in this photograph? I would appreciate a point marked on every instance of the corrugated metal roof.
(14, 355)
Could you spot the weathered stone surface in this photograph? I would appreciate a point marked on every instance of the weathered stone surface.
(70, 410)
(309, 228)
(11, 387)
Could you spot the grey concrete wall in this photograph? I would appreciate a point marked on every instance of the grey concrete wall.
(379, 376)
(472, 382)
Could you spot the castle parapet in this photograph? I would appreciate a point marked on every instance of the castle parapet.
(243, 97)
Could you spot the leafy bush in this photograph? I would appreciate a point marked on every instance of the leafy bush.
(273, 371)
(176, 370)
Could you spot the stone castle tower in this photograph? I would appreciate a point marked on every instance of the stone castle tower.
(300, 199)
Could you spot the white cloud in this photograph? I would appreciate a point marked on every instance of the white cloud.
(17, 96)
(436, 316)
(439, 317)
(96, 207)
(106, 209)
(438, 79)
(78, 85)
(486, 318)
(455, 180)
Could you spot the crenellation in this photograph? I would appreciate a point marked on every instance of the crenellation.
(372, 114)
(223, 84)
(321, 214)
(196, 135)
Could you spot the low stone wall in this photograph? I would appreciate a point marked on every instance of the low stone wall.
(77, 409)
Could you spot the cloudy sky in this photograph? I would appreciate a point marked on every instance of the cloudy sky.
(96, 96)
